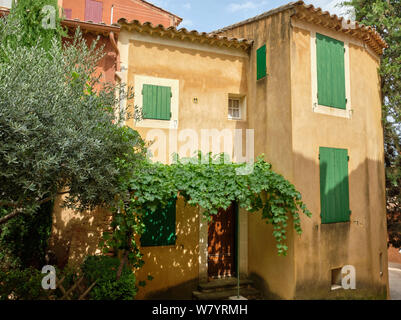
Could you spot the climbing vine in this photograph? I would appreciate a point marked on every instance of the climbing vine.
(209, 182)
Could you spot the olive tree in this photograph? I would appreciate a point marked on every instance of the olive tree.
(58, 134)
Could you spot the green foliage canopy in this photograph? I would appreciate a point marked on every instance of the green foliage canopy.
(210, 183)
(33, 23)
(57, 133)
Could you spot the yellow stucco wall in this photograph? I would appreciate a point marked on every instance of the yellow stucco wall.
(174, 268)
(76, 235)
(323, 247)
(210, 76)
(270, 117)
(292, 134)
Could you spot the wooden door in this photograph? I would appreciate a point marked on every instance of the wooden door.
(221, 244)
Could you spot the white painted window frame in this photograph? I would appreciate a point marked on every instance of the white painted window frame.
(139, 81)
(6, 3)
(242, 106)
(347, 113)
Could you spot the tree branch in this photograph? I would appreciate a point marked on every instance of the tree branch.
(17, 211)
(10, 215)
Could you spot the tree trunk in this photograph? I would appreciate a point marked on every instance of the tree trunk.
(122, 263)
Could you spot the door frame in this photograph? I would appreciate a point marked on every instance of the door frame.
(241, 243)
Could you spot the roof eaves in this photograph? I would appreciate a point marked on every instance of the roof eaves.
(91, 26)
(181, 34)
(370, 36)
(317, 16)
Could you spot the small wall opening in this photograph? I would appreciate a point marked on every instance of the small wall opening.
(336, 278)
(381, 263)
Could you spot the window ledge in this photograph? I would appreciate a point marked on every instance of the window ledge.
(153, 123)
(336, 112)
(335, 287)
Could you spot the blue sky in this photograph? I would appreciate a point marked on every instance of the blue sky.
(209, 15)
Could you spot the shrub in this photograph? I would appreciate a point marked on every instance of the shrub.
(24, 240)
(104, 270)
(25, 284)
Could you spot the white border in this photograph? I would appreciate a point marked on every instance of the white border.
(139, 81)
(347, 113)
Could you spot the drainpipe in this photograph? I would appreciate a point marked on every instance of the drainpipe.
(118, 74)
(112, 14)
(114, 44)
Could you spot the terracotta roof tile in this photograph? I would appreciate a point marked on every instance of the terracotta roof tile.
(183, 33)
(318, 16)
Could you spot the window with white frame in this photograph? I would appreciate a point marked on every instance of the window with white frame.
(234, 110)
(158, 99)
(6, 3)
(236, 107)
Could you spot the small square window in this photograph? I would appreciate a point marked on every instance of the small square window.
(68, 13)
(236, 107)
(234, 111)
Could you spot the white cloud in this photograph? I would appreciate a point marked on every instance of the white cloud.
(161, 3)
(186, 23)
(234, 7)
(187, 6)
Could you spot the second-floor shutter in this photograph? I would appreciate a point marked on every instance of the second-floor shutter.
(261, 62)
(93, 11)
(330, 72)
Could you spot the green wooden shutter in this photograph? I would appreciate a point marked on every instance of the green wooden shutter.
(334, 188)
(160, 226)
(156, 102)
(330, 72)
(261, 62)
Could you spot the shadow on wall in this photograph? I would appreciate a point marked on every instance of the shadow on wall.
(174, 268)
(76, 235)
(208, 73)
(361, 242)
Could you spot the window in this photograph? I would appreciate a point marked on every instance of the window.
(68, 13)
(93, 11)
(159, 111)
(156, 102)
(6, 3)
(261, 63)
(336, 279)
(330, 72)
(334, 188)
(160, 226)
(236, 107)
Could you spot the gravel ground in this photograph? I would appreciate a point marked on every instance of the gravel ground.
(395, 281)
